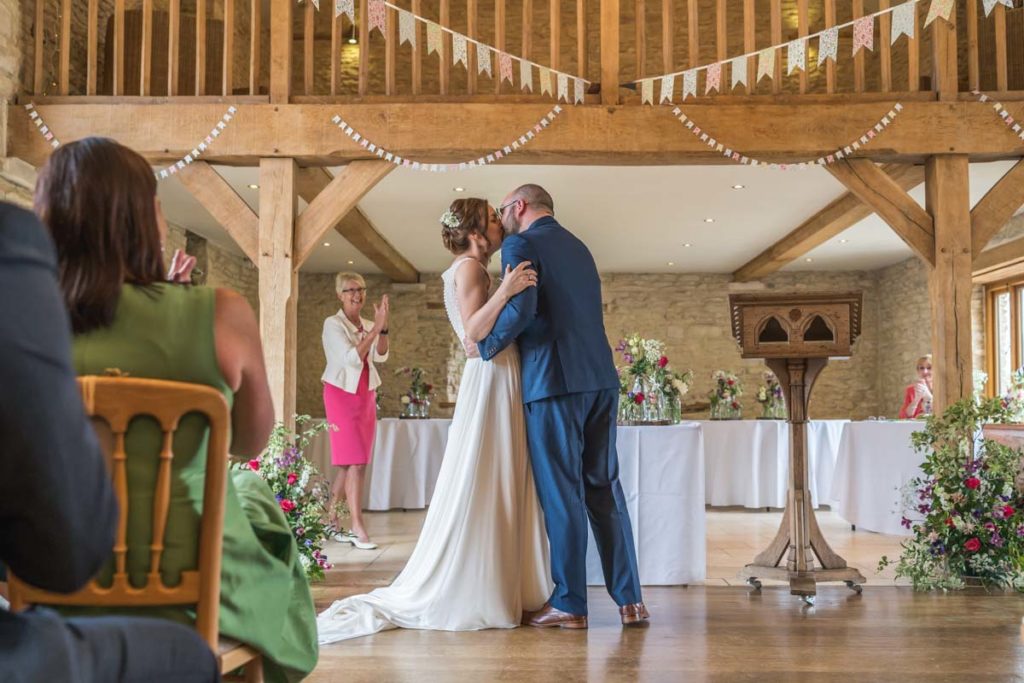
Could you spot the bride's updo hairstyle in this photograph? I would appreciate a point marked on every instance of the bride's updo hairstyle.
(463, 218)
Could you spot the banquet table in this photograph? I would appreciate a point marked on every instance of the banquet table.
(875, 461)
(662, 474)
(747, 461)
(406, 459)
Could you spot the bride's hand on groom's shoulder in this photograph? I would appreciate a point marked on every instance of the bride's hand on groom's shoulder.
(517, 279)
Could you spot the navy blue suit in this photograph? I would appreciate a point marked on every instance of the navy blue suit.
(570, 392)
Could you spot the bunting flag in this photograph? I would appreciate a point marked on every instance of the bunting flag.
(939, 8)
(1008, 120)
(347, 7)
(689, 83)
(738, 70)
(990, 5)
(483, 59)
(713, 78)
(396, 159)
(796, 55)
(316, 4)
(864, 33)
(459, 50)
(505, 67)
(903, 20)
(378, 15)
(563, 87)
(668, 85)
(406, 28)
(579, 91)
(433, 38)
(828, 45)
(647, 91)
(526, 75)
(545, 80)
(765, 63)
(840, 153)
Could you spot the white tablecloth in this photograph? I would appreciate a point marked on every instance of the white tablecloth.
(662, 475)
(747, 461)
(406, 459)
(875, 461)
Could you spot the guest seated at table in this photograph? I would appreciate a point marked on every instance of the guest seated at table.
(58, 514)
(99, 201)
(353, 345)
(917, 399)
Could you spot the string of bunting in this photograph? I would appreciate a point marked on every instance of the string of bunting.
(486, 55)
(903, 20)
(491, 158)
(835, 156)
(1008, 120)
(170, 170)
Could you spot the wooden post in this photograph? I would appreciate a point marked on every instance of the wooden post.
(609, 51)
(278, 281)
(947, 199)
(281, 51)
(944, 76)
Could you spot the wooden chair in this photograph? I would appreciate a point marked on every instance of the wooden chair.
(115, 401)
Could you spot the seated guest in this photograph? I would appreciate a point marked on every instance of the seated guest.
(917, 399)
(58, 514)
(99, 201)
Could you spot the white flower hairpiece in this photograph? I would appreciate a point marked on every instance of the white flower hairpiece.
(449, 219)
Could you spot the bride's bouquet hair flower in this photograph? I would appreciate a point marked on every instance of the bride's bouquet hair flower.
(450, 219)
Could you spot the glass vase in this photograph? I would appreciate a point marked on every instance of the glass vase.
(423, 408)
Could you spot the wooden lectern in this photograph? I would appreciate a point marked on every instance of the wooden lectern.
(796, 334)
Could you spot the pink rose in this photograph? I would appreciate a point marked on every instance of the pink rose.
(972, 545)
(663, 361)
(292, 478)
(287, 505)
(254, 465)
(972, 483)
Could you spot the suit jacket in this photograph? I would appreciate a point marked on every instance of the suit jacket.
(559, 324)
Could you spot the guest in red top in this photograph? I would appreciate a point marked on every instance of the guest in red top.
(917, 400)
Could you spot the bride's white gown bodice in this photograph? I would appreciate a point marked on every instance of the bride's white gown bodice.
(482, 556)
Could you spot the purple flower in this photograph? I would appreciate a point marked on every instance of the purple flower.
(1020, 531)
(905, 523)
(996, 540)
(299, 531)
(308, 543)
(628, 358)
(924, 508)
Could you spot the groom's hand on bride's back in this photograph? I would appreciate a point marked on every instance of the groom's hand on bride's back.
(471, 349)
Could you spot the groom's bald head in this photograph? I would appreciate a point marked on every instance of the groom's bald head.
(526, 204)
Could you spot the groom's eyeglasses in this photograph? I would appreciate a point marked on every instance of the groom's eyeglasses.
(500, 211)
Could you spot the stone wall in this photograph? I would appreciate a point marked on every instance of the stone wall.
(905, 323)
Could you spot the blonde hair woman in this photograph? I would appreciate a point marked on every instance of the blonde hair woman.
(352, 344)
(917, 399)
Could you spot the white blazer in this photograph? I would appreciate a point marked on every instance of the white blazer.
(344, 366)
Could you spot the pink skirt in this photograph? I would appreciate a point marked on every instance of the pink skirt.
(355, 419)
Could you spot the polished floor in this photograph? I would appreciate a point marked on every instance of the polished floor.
(719, 631)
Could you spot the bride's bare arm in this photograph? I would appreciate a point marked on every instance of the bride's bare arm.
(479, 313)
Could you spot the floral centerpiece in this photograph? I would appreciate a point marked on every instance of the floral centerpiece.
(769, 395)
(416, 401)
(301, 491)
(724, 397)
(968, 515)
(649, 390)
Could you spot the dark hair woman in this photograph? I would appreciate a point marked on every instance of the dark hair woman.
(98, 199)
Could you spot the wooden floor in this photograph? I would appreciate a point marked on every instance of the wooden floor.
(720, 631)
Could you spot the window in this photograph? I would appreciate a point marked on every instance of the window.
(1004, 334)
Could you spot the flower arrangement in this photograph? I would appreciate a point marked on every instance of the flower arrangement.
(969, 516)
(1013, 399)
(301, 491)
(647, 380)
(725, 396)
(769, 395)
(416, 401)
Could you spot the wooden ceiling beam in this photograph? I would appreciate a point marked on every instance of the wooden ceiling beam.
(454, 132)
(999, 263)
(832, 220)
(360, 232)
(997, 207)
(877, 189)
(222, 202)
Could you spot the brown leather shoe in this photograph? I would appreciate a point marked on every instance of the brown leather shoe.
(550, 617)
(634, 615)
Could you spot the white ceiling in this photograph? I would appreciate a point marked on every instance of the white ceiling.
(635, 219)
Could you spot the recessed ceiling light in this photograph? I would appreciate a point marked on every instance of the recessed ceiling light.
(351, 262)
(808, 259)
(352, 41)
(738, 187)
(843, 241)
(671, 263)
(253, 187)
(687, 245)
(327, 244)
(709, 220)
(459, 189)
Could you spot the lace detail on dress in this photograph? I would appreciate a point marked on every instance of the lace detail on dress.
(451, 301)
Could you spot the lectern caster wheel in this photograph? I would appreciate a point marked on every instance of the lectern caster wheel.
(855, 587)
(808, 599)
(754, 583)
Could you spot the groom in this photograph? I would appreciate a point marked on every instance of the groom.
(570, 392)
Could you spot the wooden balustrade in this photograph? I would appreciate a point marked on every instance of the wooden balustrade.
(136, 49)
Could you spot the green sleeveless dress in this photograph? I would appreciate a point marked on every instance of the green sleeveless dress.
(166, 332)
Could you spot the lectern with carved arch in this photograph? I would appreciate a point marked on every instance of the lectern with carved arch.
(796, 334)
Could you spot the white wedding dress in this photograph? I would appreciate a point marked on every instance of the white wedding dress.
(482, 556)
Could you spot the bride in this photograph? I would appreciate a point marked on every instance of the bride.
(482, 556)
